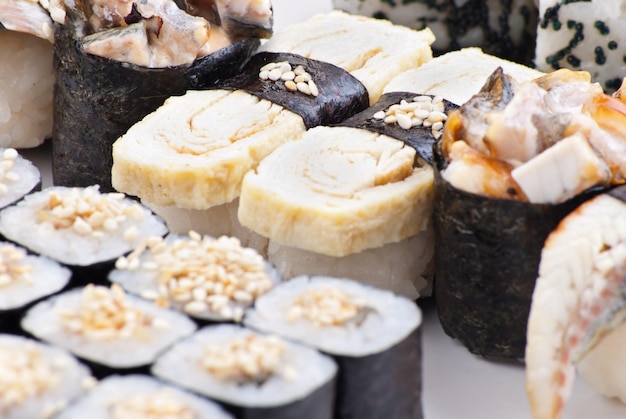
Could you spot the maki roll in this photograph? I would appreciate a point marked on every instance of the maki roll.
(367, 48)
(513, 161)
(108, 329)
(141, 397)
(26, 74)
(39, 380)
(206, 278)
(374, 335)
(207, 140)
(504, 28)
(79, 227)
(583, 35)
(457, 75)
(24, 280)
(576, 322)
(117, 62)
(347, 202)
(252, 375)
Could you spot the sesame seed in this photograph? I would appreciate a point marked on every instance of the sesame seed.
(325, 307)
(275, 74)
(304, 88)
(295, 80)
(291, 85)
(288, 75)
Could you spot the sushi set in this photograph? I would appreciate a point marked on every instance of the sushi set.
(252, 209)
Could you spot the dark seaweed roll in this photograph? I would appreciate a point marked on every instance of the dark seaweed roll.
(79, 227)
(374, 335)
(141, 397)
(38, 380)
(253, 375)
(113, 331)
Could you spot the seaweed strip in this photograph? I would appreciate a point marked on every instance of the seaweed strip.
(384, 385)
(341, 95)
(420, 138)
(487, 254)
(96, 100)
(316, 405)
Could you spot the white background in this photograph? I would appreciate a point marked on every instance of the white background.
(457, 385)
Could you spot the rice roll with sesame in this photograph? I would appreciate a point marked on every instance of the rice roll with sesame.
(26, 74)
(18, 177)
(141, 397)
(207, 278)
(39, 380)
(374, 335)
(209, 139)
(346, 202)
(514, 160)
(82, 228)
(108, 329)
(117, 62)
(253, 375)
(24, 280)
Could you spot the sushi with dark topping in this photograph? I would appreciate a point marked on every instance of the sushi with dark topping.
(493, 205)
(118, 61)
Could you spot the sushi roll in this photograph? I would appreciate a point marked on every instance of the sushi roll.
(207, 140)
(367, 48)
(79, 227)
(24, 280)
(141, 397)
(18, 177)
(513, 161)
(26, 74)
(576, 322)
(39, 380)
(583, 35)
(119, 61)
(111, 331)
(347, 202)
(504, 28)
(373, 335)
(207, 278)
(457, 75)
(251, 374)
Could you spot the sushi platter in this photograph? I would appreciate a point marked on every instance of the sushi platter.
(393, 141)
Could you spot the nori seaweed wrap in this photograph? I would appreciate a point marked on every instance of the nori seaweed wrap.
(98, 99)
(373, 335)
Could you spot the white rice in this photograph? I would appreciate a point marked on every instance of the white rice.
(115, 389)
(68, 375)
(400, 267)
(181, 365)
(21, 224)
(44, 322)
(26, 86)
(220, 220)
(392, 320)
(47, 276)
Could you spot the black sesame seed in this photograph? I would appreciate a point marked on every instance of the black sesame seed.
(612, 45)
(601, 27)
(573, 60)
(600, 56)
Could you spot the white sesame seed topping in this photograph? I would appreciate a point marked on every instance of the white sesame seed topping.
(295, 80)
(161, 404)
(13, 267)
(420, 111)
(325, 307)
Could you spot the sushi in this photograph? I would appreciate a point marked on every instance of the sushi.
(140, 397)
(111, 331)
(39, 380)
(26, 74)
(582, 35)
(367, 48)
(231, 129)
(118, 62)
(344, 201)
(18, 177)
(457, 75)
(253, 375)
(373, 335)
(504, 28)
(576, 317)
(81, 228)
(24, 280)
(496, 153)
(207, 278)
